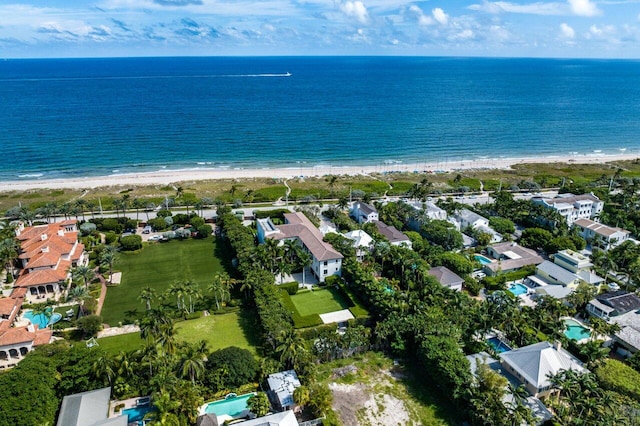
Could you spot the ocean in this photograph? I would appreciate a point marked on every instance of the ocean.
(85, 117)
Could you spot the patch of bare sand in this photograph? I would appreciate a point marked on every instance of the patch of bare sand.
(360, 405)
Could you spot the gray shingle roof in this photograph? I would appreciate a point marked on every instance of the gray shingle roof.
(621, 301)
(390, 232)
(445, 276)
(365, 208)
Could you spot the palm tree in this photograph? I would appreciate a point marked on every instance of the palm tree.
(219, 287)
(301, 396)
(104, 367)
(331, 183)
(109, 256)
(147, 295)
(291, 347)
(191, 363)
(9, 251)
(149, 207)
(82, 273)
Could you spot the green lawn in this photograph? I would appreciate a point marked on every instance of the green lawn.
(320, 302)
(160, 265)
(219, 331)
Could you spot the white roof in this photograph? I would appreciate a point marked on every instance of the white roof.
(511, 255)
(360, 238)
(558, 272)
(283, 384)
(539, 361)
(284, 418)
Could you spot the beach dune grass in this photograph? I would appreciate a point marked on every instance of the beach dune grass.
(219, 331)
(320, 301)
(159, 266)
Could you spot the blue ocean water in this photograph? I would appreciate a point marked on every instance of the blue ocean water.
(78, 117)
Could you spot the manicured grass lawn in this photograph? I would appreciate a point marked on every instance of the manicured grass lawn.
(219, 331)
(160, 265)
(320, 302)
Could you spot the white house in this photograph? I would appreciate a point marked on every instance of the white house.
(363, 212)
(326, 261)
(560, 277)
(601, 235)
(573, 207)
(533, 365)
(281, 387)
(465, 218)
(510, 257)
(89, 408)
(362, 242)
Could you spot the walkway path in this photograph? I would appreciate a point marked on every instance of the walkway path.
(103, 293)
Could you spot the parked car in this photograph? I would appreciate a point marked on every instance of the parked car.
(155, 238)
(147, 230)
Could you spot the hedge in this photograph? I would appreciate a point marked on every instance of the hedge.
(619, 377)
(291, 288)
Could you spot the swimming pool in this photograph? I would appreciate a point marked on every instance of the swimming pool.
(137, 414)
(41, 320)
(232, 407)
(484, 260)
(498, 345)
(575, 330)
(518, 289)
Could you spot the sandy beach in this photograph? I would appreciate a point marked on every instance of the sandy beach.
(165, 177)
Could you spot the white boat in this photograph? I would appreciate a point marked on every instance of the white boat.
(288, 74)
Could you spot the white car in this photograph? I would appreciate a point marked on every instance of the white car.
(155, 238)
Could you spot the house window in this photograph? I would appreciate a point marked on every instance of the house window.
(326, 272)
(326, 263)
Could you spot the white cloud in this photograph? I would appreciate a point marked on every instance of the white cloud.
(423, 19)
(584, 8)
(440, 16)
(567, 31)
(355, 9)
(537, 8)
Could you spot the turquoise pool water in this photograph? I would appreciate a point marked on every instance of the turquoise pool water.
(137, 414)
(518, 289)
(41, 319)
(498, 345)
(575, 330)
(484, 260)
(232, 407)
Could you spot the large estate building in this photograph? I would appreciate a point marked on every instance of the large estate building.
(326, 261)
(573, 207)
(46, 254)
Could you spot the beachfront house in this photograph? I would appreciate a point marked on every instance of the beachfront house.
(281, 387)
(447, 278)
(392, 234)
(573, 207)
(533, 365)
(89, 408)
(46, 254)
(424, 212)
(508, 256)
(600, 235)
(363, 212)
(622, 308)
(362, 242)
(326, 261)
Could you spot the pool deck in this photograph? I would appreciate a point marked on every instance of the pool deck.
(128, 403)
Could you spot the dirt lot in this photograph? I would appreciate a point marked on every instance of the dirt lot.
(372, 400)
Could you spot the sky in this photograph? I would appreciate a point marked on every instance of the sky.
(107, 28)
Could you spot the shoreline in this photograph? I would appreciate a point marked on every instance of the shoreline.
(165, 177)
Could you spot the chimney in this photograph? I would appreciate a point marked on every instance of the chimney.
(557, 345)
